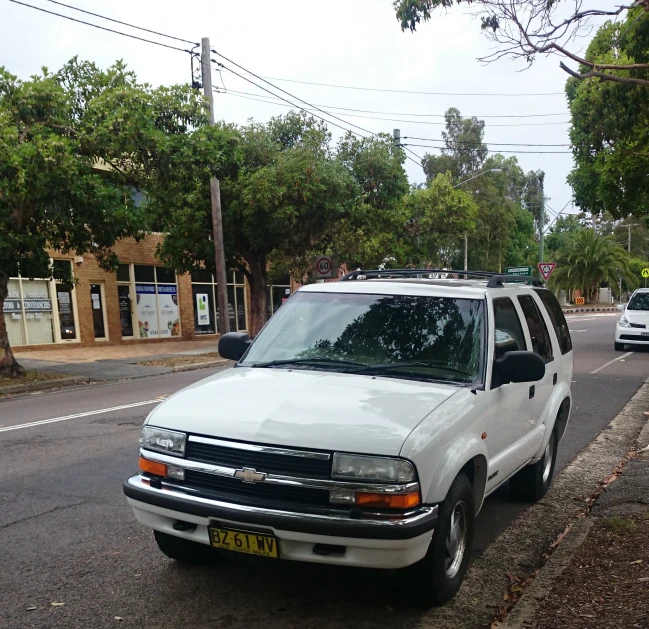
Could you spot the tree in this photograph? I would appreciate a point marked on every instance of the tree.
(54, 129)
(610, 126)
(523, 30)
(437, 218)
(589, 260)
(563, 229)
(373, 229)
(282, 196)
(464, 152)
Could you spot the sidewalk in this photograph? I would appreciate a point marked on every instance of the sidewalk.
(113, 362)
(598, 576)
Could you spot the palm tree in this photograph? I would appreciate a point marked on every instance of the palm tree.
(588, 260)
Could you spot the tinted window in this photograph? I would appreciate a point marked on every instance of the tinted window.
(639, 301)
(541, 343)
(509, 333)
(123, 273)
(202, 275)
(558, 320)
(165, 276)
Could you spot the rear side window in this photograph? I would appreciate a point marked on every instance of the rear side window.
(558, 320)
(509, 333)
(541, 343)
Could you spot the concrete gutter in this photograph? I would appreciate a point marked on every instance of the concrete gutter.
(43, 384)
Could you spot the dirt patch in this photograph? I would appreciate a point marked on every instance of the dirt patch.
(178, 361)
(606, 585)
(30, 377)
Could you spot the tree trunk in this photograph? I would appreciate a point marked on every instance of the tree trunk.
(9, 368)
(257, 278)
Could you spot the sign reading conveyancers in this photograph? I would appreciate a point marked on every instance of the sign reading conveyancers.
(147, 314)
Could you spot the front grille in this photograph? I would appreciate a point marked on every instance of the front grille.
(260, 494)
(638, 325)
(633, 337)
(266, 462)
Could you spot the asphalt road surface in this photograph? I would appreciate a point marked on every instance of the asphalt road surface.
(68, 537)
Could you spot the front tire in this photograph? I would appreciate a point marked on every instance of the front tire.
(533, 481)
(619, 347)
(439, 575)
(183, 550)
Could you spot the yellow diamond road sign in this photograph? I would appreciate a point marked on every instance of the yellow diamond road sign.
(645, 272)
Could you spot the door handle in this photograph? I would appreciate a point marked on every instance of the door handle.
(532, 391)
(554, 379)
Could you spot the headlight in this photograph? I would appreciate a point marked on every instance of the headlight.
(624, 322)
(380, 469)
(161, 440)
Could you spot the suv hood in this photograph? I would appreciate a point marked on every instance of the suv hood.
(303, 409)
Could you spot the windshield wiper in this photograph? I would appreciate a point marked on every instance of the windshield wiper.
(390, 366)
(298, 361)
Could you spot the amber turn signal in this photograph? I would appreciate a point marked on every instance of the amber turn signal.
(157, 469)
(388, 501)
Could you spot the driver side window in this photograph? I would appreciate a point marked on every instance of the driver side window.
(509, 335)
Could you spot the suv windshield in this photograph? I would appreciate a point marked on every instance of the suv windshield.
(401, 336)
(639, 301)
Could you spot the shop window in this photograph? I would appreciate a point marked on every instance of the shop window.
(204, 293)
(97, 306)
(277, 292)
(165, 276)
(30, 314)
(144, 273)
(124, 273)
(125, 311)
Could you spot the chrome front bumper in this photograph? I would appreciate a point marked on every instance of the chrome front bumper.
(371, 526)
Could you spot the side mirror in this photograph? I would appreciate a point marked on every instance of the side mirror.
(621, 307)
(520, 367)
(234, 345)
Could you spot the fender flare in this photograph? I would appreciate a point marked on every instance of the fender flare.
(557, 413)
(468, 453)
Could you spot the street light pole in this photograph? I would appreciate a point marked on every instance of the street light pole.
(466, 237)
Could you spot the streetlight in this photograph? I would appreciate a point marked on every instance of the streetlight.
(466, 238)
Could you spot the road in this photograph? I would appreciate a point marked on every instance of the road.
(67, 535)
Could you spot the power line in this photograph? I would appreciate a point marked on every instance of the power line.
(545, 231)
(260, 98)
(103, 28)
(410, 137)
(110, 19)
(400, 113)
(285, 92)
(380, 89)
(488, 151)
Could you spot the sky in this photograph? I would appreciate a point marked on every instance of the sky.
(354, 43)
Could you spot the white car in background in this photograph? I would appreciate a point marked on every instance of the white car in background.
(633, 326)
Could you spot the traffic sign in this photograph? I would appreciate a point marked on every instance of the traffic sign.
(546, 269)
(645, 272)
(579, 301)
(519, 270)
(325, 267)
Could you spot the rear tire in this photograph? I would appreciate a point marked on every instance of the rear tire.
(533, 481)
(619, 347)
(183, 550)
(438, 576)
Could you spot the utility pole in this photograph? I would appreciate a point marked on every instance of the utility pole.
(466, 253)
(628, 244)
(396, 136)
(542, 228)
(215, 197)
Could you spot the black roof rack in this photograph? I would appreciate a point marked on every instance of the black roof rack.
(494, 280)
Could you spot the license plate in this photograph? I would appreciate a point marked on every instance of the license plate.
(244, 542)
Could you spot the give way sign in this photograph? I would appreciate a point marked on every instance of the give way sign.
(546, 269)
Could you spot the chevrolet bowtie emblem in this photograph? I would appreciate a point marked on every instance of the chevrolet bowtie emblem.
(248, 475)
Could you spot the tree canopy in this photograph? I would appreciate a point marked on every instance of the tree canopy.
(610, 125)
(523, 30)
(55, 130)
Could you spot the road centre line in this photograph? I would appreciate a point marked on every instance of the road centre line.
(78, 415)
(610, 362)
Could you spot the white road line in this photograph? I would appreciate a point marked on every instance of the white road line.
(610, 362)
(78, 415)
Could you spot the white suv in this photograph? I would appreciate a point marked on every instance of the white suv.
(364, 426)
(633, 326)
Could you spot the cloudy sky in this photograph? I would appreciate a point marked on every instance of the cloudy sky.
(353, 43)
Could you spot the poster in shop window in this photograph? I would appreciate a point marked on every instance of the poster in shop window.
(168, 309)
(202, 309)
(147, 313)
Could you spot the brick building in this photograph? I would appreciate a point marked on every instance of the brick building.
(142, 302)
